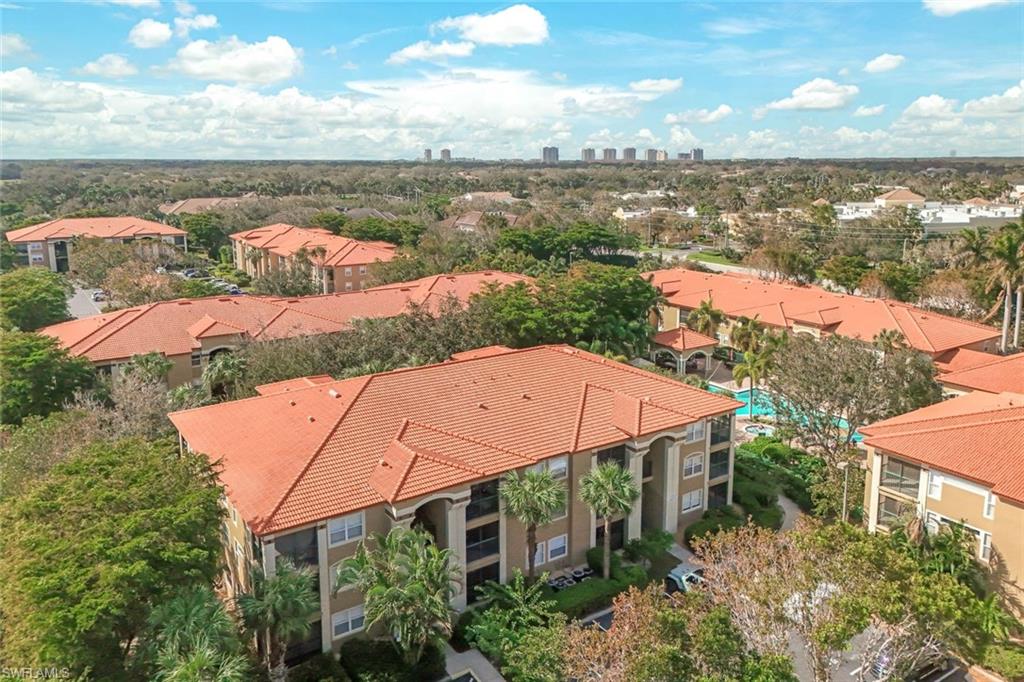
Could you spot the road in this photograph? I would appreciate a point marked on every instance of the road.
(681, 254)
(81, 304)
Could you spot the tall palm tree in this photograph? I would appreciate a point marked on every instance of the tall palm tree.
(533, 498)
(746, 334)
(223, 373)
(889, 341)
(278, 611)
(200, 661)
(608, 489)
(705, 318)
(753, 366)
(408, 583)
(1007, 263)
(971, 247)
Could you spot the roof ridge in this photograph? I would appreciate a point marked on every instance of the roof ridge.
(944, 422)
(999, 359)
(319, 448)
(910, 313)
(441, 458)
(145, 309)
(575, 442)
(471, 439)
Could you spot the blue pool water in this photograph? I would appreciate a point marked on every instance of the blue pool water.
(763, 405)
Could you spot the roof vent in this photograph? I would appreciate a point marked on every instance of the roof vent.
(333, 393)
(292, 403)
(524, 396)
(481, 406)
(311, 419)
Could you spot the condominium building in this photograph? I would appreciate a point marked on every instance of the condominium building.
(651, 155)
(588, 154)
(608, 154)
(629, 154)
(428, 155)
(958, 462)
(192, 332)
(965, 370)
(661, 155)
(50, 244)
(446, 154)
(684, 156)
(427, 446)
(549, 154)
(339, 263)
(697, 154)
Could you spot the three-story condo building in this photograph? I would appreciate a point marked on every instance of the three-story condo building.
(313, 466)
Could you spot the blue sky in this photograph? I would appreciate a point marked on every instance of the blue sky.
(165, 79)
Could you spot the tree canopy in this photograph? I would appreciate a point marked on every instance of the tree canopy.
(37, 376)
(31, 298)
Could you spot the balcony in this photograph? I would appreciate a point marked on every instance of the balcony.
(615, 454)
(719, 465)
(900, 477)
(721, 430)
(483, 500)
(482, 542)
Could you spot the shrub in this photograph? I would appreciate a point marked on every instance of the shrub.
(459, 639)
(1005, 659)
(595, 559)
(714, 520)
(649, 546)
(758, 445)
(596, 594)
(368, 660)
(322, 668)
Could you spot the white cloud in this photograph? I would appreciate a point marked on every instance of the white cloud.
(331, 51)
(820, 94)
(559, 76)
(658, 86)
(428, 51)
(700, 115)
(734, 27)
(1009, 103)
(884, 62)
(199, 22)
(231, 59)
(13, 44)
(149, 33)
(516, 25)
(645, 136)
(931, 106)
(844, 71)
(869, 111)
(149, 4)
(682, 137)
(350, 66)
(26, 93)
(110, 66)
(184, 8)
(947, 8)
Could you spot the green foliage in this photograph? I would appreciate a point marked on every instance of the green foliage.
(321, 668)
(93, 259)
(37, 375)
(1005, 659)
(329, 220)
(713, 521)
(580, 240)
(296, 279)
(846, 271)
(229, 273)
(376, 661)
(100, 540)
(651, 544)
(539, 655)
(705, 318)
(31, 298)
(152, 366)
(399, 231)
(532, 498)
(595, 594)
(29, 451)
(900, 281)
(196, 288)
(223, 373)
(513, 609)
(756, 491)
(608, 490)
(204, 231)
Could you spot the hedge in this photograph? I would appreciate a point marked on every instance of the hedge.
(461, 628)
(595, 560)
(322, 668)
(595, 594)
(714, 520)
(367, 660)
(1005, 659)
(756, 489)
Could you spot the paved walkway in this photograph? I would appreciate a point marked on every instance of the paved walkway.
(471, 660)
(80, 303)
(791, 512)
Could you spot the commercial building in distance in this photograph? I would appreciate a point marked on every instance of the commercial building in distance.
(661, 155)
(549, 155)
(629, 154)
(427, 446)
(651, 155)
(684, 156)
(428, 155)
(446, 154)
(588, 154)
(608, 154)
(697, 154)
(50, 244)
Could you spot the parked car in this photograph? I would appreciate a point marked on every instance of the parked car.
(684, 578)
(98, 296)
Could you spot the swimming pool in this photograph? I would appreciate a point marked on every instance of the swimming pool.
(763, 406)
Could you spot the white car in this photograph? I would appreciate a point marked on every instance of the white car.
(684, 578)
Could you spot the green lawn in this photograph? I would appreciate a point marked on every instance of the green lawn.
(711, 257)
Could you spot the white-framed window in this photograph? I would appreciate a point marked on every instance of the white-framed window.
(693, 465)
(348, 621)
(197, 358)
(362, 269)
(348, 272)
(932, 522)
(35, 246)
(558, 547)
(986, 546)
(348, 286)
(558, 466)
(693, 500)
(239, 553)
(990, 505)
(538, 555)
(345, 529)
(695, 432)
(934, 485)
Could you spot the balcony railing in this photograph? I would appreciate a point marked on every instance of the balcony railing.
(717, 470)
(482, 549)
(904, 485)
(482, 507)
(721, 431)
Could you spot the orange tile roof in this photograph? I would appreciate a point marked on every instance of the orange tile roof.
(293, 384)
(962, 358)
(295, 457)
(175, 327)
(900, 194)
(780, 305)
(998, 375)
(121, 227)
(285, 240)
(978, 436)
(683, 339)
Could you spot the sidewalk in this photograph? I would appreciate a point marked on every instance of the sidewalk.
(471, 661)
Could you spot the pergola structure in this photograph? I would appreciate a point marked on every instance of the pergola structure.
(690, 350)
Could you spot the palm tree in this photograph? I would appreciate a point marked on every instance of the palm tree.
(971, 247)
(201, 661)
(1007, 263)
(278, 611)
(705, 318)
(223, 373)
(521, 598)
(889, 341)
(408, 583)
(746, 334)
(753, 366)
(608, 489)
(533, 498)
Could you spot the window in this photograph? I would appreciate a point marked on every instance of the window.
(890, 510)
(179, 240)
(558, 547)
(718, 495)
(901, 477)
(348, 286)
(538, 555)
(986, 546)
(934, 485)
(347, 621)
(362, 269)
(483, 500)
(239, 554)
(719, 465)
(695, 432)
(345, 529)
(348, 272)
(558, 466)
(693, 500)
(482, 542)
(197, 358)
(479, 577)
(721, 430)
(301, 547)
(693, 465)
(990, 505)
(615, 454)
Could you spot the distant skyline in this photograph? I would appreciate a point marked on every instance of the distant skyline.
(318, 80)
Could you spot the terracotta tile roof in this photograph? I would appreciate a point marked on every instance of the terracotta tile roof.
(962, 358)
(121, 227)
(901, 194)
(293, 384)
(997, 375)
(979, 436)
(683, 339)
(202, 204)
(485, 352)
(780, 305)
(355, 443)
(285, 240)
(175, 327)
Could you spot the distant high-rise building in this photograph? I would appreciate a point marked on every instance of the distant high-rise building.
(550, 154)
(652, 155)
(428, 155)
(446, 154)
(608, 154)
(697, 154)
(588, 154)
(683, 156)
(661, 155)
(629, 154)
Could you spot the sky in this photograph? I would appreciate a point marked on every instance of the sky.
(324, 80)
